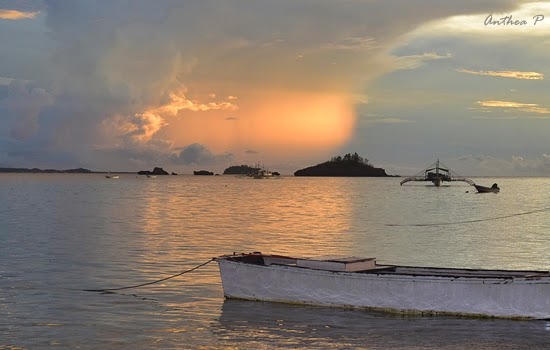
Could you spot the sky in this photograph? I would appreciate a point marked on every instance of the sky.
(127, 85)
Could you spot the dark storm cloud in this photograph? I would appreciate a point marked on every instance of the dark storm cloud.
(200, 155)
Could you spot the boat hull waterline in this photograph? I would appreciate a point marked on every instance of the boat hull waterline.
(425, 291)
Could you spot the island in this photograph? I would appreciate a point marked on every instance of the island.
(156, 171)
(240, 170)
(250, 171)
(47, 171)
(348, 165)
(203, 172)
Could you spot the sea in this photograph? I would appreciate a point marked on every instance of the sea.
(62, 235)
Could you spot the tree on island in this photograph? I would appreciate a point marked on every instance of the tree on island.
(350, 159)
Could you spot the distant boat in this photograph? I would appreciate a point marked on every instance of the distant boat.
(363, 283)
(112, 176)
(437, 174)
(483, 189)
(260, 172)
(152, 176)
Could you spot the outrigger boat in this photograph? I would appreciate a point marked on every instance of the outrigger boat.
(437, 174)
(353, 282)
(259, 172)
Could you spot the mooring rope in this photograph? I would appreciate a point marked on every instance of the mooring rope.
(472, 221)
(105, 290)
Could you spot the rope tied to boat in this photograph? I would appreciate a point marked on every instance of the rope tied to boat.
(107, 290)
(472, 221)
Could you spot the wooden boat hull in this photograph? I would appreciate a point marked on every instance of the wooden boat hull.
(449, 293)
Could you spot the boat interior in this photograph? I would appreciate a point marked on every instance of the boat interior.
(369, 266)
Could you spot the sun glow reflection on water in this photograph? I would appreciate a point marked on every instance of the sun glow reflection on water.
(65, 233)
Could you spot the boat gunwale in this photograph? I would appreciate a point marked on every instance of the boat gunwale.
(500, 275)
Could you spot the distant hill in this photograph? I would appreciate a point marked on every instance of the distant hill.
(348, 165)
(156, 171)
(203, 172)
(48, 171)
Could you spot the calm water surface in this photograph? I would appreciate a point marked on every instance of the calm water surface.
(61, 234)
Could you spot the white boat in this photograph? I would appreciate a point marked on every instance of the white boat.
(112, 176)
(262, 174)
(362, 283)
(152, 176)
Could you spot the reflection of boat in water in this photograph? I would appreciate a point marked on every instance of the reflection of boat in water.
(272, 322)
(483, 189)
(109, 176)
(245, 325)
(362, 283)
(437, 174)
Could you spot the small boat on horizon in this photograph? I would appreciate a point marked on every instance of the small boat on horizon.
(483, 189)
(353, 282)
(109, 176)
(260, 172)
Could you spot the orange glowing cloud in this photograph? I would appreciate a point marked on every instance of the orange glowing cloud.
(14, 15)
(142, 126)
(306, 120)
(272, 123)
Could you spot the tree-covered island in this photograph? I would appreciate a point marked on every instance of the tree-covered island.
(348, 165)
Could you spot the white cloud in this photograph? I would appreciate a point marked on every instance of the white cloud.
(507, 106)
(506, 74)
(523, 21)
(383, 119)
(485, 165)
(415, 61)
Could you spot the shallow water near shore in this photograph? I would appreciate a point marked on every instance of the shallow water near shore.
(63, 233)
